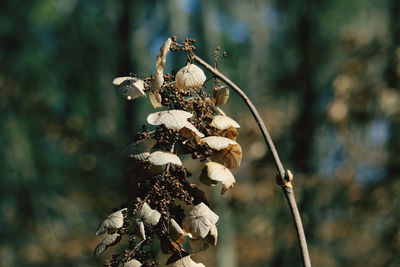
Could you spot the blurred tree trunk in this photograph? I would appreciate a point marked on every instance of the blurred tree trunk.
(304, 128)
(125, 67)
(125, 57)
(392, 77)
(390, 234)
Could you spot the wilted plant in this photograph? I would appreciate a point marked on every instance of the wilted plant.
(166, 205)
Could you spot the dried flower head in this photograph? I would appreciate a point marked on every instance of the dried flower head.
(190, 76)
(166, 205)
(129, 87)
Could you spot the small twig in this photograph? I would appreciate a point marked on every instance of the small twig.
(283, 179)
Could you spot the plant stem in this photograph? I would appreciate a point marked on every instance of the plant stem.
(283, 179)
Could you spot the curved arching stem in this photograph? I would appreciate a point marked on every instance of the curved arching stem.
(283, 178)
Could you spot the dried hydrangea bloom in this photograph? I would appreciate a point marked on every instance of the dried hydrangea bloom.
(190, 76)
(145, 216)
(129, 87)
(140, 150)
(113, 222)
(199, 221)
(198, 245)
(225, 151)
(174, 239)
(172, 119)
(106, 242)
(214, 172)
(222, 122)
(186, 262)
(133, 263)
(190, 130)
(220, 95)
(161, 158)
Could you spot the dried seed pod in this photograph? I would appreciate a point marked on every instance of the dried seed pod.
(220, 95)
(113, 222)
(106, 242)
(172, 119)
(214, 172)
(190, 76)
(129, 87)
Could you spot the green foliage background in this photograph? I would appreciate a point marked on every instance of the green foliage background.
(325, 75)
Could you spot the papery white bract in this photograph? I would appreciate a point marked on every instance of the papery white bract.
(105, 243)
(162, 158)
(199, 221)
(186, 262)
(129, 87)
(227, 152)
(145, 216)
(113, 222)
(222, 122)
(140, 150)
(190, 76)
(172, 119)
(220, 95)
(133, 263)
(217, 173)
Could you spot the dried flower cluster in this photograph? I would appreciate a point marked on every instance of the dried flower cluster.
(167, 206)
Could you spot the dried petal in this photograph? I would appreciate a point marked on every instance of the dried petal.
(176, 256)
(113, 222)
(199, 221)
(231, 157)
(162, 55)
(217, 142)
(140, 231)
(220, 95)
(186, 262)
(148, 215)
(145, 216)
(106, 242)
(224, 122)
(129, 87)
(157, 82)
(175, 237)
(155, 99)
(214, 172)
(140, 150)
(230, 133)
(175, 232)
(198, 245)
(133, 263)
(190, 130)
(190, 76)
(161, 158)
(172, 119)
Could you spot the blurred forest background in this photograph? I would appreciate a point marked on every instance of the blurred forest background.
(324, 74)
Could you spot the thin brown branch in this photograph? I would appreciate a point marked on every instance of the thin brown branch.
(283, 178)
